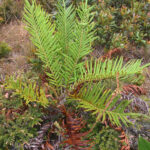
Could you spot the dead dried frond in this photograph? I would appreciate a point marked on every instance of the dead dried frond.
(72, 126)
(111, 54)
(134, 89)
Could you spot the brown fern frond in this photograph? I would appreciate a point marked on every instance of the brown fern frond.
(124, 141)
(111, 54)
(72, 126)
(134, 89)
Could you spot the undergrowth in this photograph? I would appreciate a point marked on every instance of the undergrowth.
(123, 23)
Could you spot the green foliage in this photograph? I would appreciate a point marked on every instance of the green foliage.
(143, 144)
(44, 39)
(62, 46)
(28, 91)
(97, 70)
(104, 137)
(4, 49)
(17, 121)
(107, 139)
(121, 23)
(96, 98)
(67, 46)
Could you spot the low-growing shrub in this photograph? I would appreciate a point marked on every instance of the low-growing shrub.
(121, 23)
(11, 9)
(107, 139)
(4, 49)
(17, 120)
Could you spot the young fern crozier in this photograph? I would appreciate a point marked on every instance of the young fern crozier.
(62, 46)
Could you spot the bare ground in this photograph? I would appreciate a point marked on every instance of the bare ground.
(17, 38)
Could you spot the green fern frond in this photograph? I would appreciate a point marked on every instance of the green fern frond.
(28, 91)
(96, 99)
(66, 44)
(42, 36)
(65, 24)
(75, 36)
(97, 70)
(65, 34)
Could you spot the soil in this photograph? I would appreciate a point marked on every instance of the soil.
(17, 38)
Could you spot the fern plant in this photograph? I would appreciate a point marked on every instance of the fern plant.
(62, 47)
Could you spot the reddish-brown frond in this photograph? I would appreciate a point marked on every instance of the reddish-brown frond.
(111, 54)
(73, 135)
(134, 89)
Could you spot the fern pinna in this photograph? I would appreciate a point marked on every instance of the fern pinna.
(62, 46)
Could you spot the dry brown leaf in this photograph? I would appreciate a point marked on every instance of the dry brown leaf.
(134, 89)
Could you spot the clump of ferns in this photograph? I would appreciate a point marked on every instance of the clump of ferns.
(62, 46)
